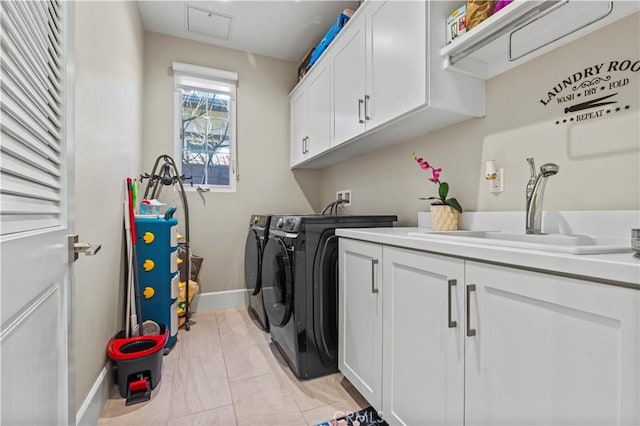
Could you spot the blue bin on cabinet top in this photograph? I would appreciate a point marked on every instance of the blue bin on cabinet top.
(332, 32)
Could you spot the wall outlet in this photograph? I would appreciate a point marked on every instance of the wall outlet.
(497, 185)
(344, 194)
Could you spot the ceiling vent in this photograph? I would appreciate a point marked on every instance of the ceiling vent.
(206, 22)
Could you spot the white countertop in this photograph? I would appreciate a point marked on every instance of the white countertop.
(621, 268)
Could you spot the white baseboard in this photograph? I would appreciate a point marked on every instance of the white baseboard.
(93, 404)
(220, 300)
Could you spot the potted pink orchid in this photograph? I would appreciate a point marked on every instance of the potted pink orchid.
(444, 211)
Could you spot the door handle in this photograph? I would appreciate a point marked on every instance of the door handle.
(76, 247)
(303, 143)
(470, 331)
(366, 108)
(360, 104)
(374, 263)
(452, 324)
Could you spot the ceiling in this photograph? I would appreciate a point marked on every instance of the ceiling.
(280, 29)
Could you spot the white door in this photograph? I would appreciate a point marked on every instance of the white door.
(298, 111)
(349, 82)
(550, 350)
(396, 59)
(423, 358)
(360, 317)
(36, 213)
(319, 108)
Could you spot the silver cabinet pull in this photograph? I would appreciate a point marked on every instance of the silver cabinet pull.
(374, 263)
(452, 324)
(366, 107)
(305, 150)
(360, 103)
(470, 331)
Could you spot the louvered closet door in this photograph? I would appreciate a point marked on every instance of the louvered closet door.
(36, 213)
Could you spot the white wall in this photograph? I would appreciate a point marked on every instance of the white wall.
(108, 88)
(599, 159)
(266, 185)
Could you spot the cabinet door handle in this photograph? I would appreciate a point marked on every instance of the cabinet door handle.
(360, 103)
(452, 324)
(374, 263)
(304, 141)
(366, 108)
(470, 331)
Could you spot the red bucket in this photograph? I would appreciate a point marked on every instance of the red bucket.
(137, 358)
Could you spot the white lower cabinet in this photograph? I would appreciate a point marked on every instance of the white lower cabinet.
(550, 350)
(451, 341)
(360, 317)
(423, 343)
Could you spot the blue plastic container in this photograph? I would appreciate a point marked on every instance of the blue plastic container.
(338, 24)
(157, 246)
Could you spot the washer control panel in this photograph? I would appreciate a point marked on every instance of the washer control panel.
(259, 220)
(286, 223)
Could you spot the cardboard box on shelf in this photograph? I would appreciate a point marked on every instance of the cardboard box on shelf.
(456, 23)
(304, 66)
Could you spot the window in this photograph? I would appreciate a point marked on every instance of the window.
(206, 126)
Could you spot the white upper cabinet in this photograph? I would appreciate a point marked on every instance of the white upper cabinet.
(348, 61)
(526, 29)
(396, 60)
(310, 112)
(381, 67)
(318, 110)
(298, 114)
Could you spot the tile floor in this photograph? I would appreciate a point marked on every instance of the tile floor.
(225, 371)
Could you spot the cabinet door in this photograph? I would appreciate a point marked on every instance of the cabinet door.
(423, 358)
(349, 82)
(298, 112)
(360, 318)
(319, 109)
(550, 350)
(396, 59)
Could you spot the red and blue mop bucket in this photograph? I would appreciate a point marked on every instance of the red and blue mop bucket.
(138, 363)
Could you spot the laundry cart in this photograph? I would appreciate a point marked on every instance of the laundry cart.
(157, 242)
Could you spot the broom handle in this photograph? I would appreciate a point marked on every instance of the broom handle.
(129, 319)
(136, 277)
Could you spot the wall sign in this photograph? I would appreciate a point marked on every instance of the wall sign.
(593, 92)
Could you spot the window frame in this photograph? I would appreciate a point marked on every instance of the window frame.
(182, 72)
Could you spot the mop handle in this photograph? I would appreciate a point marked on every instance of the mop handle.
(132, 218)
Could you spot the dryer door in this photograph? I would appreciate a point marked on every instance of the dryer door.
(325, 298)
(277, 282)
(252, 262)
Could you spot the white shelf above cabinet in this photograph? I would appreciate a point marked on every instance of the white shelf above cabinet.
(526, 29)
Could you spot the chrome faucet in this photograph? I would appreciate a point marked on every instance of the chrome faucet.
(535, 192)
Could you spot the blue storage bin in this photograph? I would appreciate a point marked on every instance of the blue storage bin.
(338, 24)
(157, 250)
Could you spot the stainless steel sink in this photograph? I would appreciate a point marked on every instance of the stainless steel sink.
(560, 243)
